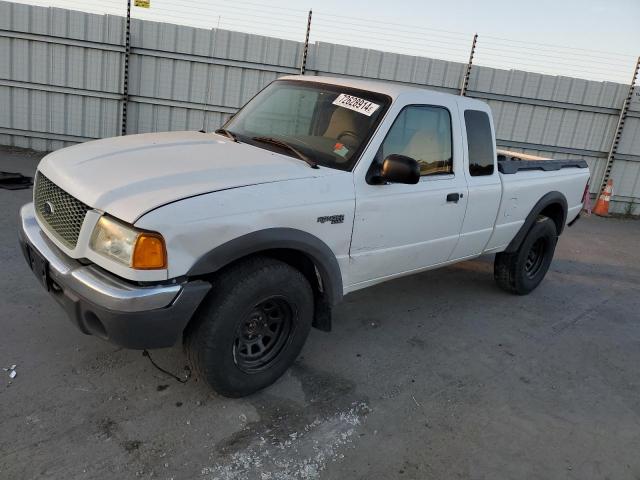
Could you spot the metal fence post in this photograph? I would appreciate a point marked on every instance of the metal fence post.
(305, 51)
(467, 72)
(205, 102)
(619, 128)
(125, 81)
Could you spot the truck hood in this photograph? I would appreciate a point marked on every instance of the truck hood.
(131, 175)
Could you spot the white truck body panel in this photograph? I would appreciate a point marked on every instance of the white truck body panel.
(523, 190)
(483, 197)
(196, 225)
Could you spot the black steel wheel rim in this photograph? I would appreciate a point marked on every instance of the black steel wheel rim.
(535, 258)
(262, 334)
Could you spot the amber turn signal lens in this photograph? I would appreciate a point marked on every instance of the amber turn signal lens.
(149, 252)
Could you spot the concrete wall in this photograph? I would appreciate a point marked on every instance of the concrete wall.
(61, 77)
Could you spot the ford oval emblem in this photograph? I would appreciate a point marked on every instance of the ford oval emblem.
(48, 208)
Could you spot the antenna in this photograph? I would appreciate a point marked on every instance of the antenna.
(205, 103)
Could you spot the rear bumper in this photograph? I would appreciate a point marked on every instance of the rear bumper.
(104, 305)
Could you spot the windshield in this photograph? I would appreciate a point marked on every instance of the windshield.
(328, 124)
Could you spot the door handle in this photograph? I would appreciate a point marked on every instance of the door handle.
(454, 197)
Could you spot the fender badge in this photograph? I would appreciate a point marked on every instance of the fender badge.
(334, 219)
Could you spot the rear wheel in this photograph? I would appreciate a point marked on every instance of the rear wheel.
(522, 271)
(251, 327)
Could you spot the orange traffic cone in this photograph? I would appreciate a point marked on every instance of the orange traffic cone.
(602, 205)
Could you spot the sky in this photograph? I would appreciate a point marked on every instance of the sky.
(595, 39)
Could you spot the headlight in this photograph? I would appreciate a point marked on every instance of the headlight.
(127, 245)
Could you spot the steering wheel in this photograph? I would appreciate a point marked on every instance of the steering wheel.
(348, 133)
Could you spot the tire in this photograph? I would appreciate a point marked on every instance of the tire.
(522, 271)
(251, 327)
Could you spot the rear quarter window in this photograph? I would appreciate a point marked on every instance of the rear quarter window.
(480, 143)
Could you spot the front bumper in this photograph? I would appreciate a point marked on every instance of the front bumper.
(104, 305)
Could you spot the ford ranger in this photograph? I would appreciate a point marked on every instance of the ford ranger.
(237, 242)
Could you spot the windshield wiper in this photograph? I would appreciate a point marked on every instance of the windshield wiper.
(280, 143)
(228, 133)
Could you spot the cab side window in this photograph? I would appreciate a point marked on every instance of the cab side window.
(424, 134)
(480, 143)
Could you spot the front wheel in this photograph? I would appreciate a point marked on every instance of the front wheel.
(522, 271)
(251, 327)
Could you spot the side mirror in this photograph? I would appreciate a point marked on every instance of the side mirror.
(400, 169)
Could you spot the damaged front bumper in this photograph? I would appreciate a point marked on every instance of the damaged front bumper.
(101, 304)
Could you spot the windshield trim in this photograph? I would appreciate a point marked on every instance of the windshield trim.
(385, 103)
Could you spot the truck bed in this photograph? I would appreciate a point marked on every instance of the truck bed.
(535, 179)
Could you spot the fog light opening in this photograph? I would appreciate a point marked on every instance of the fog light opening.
(94, 325)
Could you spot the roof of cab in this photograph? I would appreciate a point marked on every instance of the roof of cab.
(394, 90)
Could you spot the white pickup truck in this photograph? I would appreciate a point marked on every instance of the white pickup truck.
(237, 242)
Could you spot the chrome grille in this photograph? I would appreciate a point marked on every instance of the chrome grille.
(59, 211)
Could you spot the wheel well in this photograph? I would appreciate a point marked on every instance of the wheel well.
(552, 205)
(555, 212)
(299, 261)
(304, 263)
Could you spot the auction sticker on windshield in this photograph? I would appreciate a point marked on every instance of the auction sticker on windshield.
(356, 104)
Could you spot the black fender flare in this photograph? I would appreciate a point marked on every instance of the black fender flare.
(548, 199)
(277, 238)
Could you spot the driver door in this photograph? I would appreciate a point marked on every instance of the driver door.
(401, 228)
